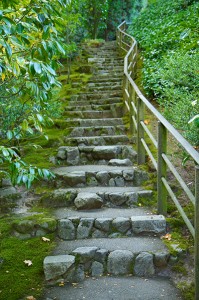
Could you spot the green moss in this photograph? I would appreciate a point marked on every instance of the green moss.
(187, 289)
(179, 267)
(17, 280)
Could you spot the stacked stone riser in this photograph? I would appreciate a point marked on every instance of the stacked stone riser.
(112, 178)
(91, 96)
(96, 262)
(97, 130)
(127, 197)
(79, 155)
(109, 101)
(85, 228)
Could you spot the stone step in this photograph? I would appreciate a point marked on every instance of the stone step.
(96, 131)
(89, 114)
(105, 84)
(92, 102)
(99, 107)
(97, 140)
(117, 288)
(93, 96)
(59, 123)
(84, 228)
(142, 257)
(120, 155)
(97, 59)
(99, 175)
(102, 197)
(101, 79)
(104, 88)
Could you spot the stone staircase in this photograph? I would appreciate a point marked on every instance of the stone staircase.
(101, 228)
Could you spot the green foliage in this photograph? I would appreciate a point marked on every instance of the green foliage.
(167, 33)
(29, 50)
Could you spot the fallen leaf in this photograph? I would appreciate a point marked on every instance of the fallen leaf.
(166, 236)
(44, 239)
(28, 263)
(61, 283)
(74, 284)
(146, 122)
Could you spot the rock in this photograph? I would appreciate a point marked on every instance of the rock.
(77, 178)
(57, 266)
(144, 265)
(8, 191)
(59, 198)
(97, 269)
(97, 234)
(161, 259)
(91, 181)
(119, 181)
(6, 182)
(117, 198)
(149, 224)
(88, 201)
(66, 229)
(121, 224)
(106, 152)
(24, 226)
(128, 152)
(48, 224)
(131, 198)
(128, 175)
(76, 275)
(84, 228)
(101, 255)
(61, 154)
(73, 156)
(85, 254)
(103, 177)
(120, 162)
(120, 262)
(140, 177)
(111, 182)
(103, 224)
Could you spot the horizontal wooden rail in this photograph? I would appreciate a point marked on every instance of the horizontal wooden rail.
(136, 104)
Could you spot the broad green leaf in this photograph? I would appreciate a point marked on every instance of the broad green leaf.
(37, 68)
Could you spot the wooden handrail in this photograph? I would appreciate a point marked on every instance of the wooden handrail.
(136, 104)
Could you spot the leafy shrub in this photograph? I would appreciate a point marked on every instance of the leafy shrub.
(167, 33)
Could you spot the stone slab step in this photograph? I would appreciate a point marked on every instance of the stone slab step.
(94, 96)
(118, 155)
(103, 88)
(104, 212)
(114, 197)
(89, 114)
(99, 175)
(97, 140)
(95, 102)
(87, 122)
(133, 244)
(97, 131)
(122, 288)
(95, 107)
(73, 228)
(105, 84)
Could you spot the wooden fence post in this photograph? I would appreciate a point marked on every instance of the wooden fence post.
(162, 169)
(196, 258)
(140, 132)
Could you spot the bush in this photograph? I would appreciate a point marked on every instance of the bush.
(168, 37)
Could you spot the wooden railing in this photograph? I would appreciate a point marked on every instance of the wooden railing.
(137, 105)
